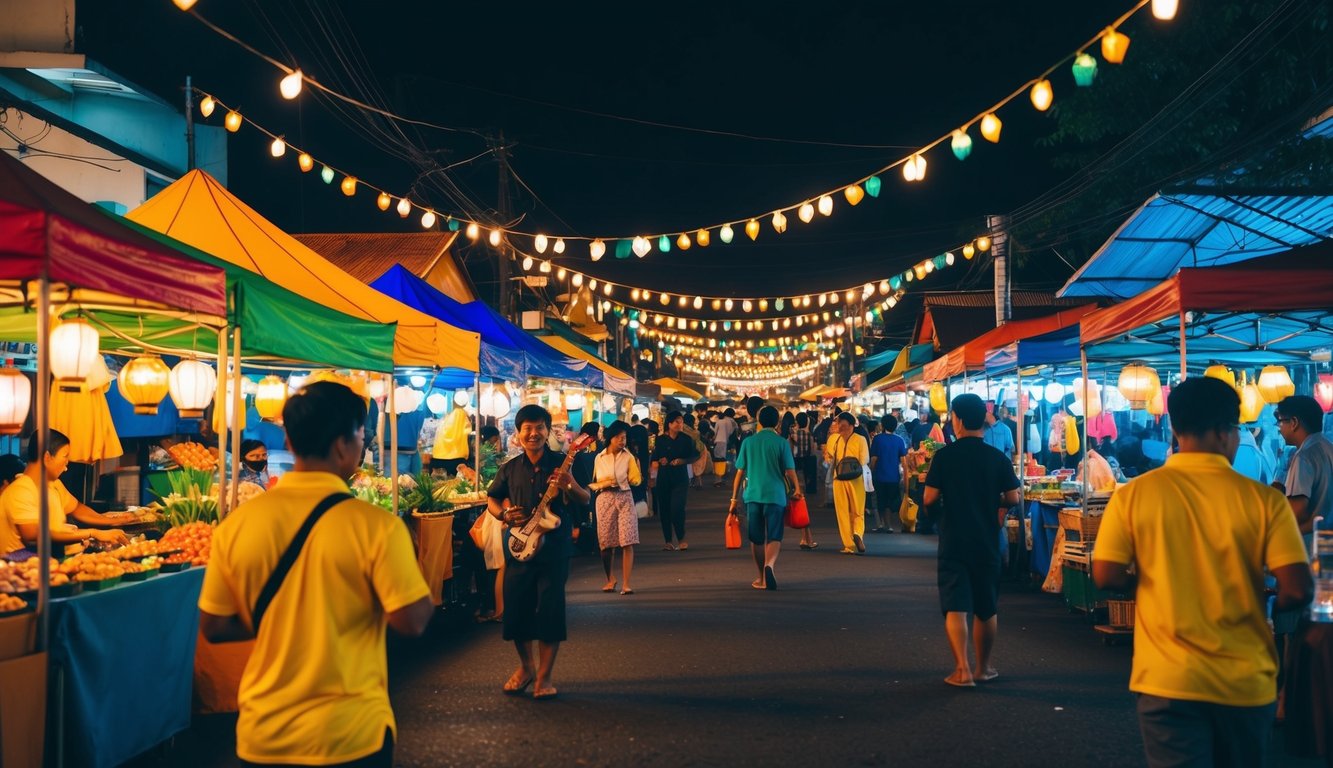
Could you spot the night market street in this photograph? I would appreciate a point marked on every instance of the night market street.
(843, 665)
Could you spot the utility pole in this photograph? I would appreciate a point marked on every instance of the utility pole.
(189, 124)
(505, 299)
(999, 243)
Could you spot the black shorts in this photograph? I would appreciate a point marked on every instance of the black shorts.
(969, 587)
(535, 599)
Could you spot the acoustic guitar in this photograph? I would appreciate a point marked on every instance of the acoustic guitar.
(525, 540)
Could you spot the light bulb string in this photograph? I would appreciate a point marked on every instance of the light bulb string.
(1139, 5)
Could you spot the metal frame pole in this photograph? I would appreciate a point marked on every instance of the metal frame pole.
(393, 440)
(43, 440)
(237, 414)
(220, 402)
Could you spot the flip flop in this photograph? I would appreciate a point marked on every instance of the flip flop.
(987, 677)
(684, 545)
(668, 548)
(512, 688)
(611, 588)
(956, 684)
(626, 591)
(545, 694)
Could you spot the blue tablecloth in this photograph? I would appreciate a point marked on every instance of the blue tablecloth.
(127, 654)
(1045, 520)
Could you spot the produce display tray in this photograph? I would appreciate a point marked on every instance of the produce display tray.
(101, 583)
(174, 567)
(29, 608)
(139, 576)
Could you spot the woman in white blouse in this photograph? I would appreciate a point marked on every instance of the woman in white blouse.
(614, 473)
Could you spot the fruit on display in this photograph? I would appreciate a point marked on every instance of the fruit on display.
(192, 455)
(9, 603)
(136, 550)
(26, 576)
(93, 567)
(194, 541)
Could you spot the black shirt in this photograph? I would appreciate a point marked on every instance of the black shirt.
(524, 484)
(679, 447)
(970, 476)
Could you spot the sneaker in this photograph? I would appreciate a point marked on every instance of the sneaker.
(860, 545)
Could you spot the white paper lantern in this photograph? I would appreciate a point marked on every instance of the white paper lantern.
(417, 380)
(270, 397)
(1055, 392)
(15, 400)
(74, 351)
(406, 399)
(462, 398)
(377, 387)
(496, 404)
(192, 385)
(436, 403)
(574, 402)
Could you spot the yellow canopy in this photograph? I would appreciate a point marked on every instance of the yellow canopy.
(672, 387)
(812, 394)
(200, 211)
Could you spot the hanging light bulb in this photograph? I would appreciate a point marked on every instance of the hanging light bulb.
(1085, 70)
(641, 247)
(559, 246)
(854, 194)
(326, 174)
(779, 222)
(348, 185)
(920, 270)
(545, 268)
(74, 350)
(527, 263)
(144, 382)
(1164, 9)
(698, 302)
(716, 305)
(232, 121)
(961, 143)
(427, 219)
(383, 201)
(948, 258)
(763, 305)
(990, 127)
(494, 238)
(560, 274)
(290, 86)
(825, 205)
(191, 386)
(833, 297)
(473, 231)
(873, 185)
(666, 298)
(1138, 383)
(683, 302)
(278, 148)
(915, 168)
(592, 284)
(15, 400)
(806, 212)
(729, 305)
(983, 243)
(578, 278)
(851, 296)
(702, 238)
(726, 233)
(683, 242)
(207, 105)
(1041, 95)
(305, 162)
(752, 229)
(539, 242)
(1114, 46)
(404, 207)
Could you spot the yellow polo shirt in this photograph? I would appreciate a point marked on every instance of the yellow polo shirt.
(315, 690)
(1201, 535)
(20, 504)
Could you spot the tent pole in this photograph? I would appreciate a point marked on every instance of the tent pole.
(476, 428)
(1183, 370)
(380, 456)
(220, 401)
(1083, 362)
(393, 443)
(237, 415)
(43, 440)
(1021, 409)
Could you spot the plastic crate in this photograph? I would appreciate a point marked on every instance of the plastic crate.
(1120, 613)
(1079, 527)
(1079, 591)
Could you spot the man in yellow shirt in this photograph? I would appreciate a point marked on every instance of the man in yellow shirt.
(315, 691)
(20, 504)
(1200, 535)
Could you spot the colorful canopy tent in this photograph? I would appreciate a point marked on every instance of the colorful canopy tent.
(671, 386)
(614, 381)
(1053, 348)
(1267, 309)
(971, 356)
(507, 353)
(812, 394)
(909, 357)
(200, 211)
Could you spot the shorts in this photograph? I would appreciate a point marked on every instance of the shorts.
(764, 522)
(534, 593)
(969, 587)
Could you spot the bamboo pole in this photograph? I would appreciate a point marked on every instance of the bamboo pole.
(43, 440)
(393, 441)
(220, 401)
(237, 414)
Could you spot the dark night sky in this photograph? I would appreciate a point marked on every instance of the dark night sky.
(887, 74)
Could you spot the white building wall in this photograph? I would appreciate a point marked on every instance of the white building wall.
(92, 173)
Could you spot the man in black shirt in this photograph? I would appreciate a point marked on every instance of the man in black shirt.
(534, 590)
(673, 452)
(976, 485)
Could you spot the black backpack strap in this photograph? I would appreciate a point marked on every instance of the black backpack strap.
(288, 558)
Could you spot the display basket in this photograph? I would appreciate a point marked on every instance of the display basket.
(174, 567)
(143, 575)
(101, 584)
(1079, 526)
(1120, 613)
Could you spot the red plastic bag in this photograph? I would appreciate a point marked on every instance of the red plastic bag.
(798, 514)
(733, 532)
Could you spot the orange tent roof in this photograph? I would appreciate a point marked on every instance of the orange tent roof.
(198, 210)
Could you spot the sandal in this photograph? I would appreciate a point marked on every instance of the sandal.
(609, 587)
(545, 694)
(668, 548)
(515, 685)
(684, 545)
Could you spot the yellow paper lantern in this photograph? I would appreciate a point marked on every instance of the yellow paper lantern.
(74, 351)
(1157, 403)
(969, 251)
(939, 398)
(191, 385)
(15, 400)
(854, 194)
(144, 381)
(232, 121)
(1092, 407)
(1137, 383)
(752, 229)
(1251, 403)
(1221, 373)
(305, 161)
(348, 185)
(703, 238)
(983, 243)
(990, 127)
(1041, 95)
(207, 105)
(1114, 46)
(271, 395)
(1275, 383)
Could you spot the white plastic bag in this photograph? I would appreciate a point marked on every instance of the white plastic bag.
(867, 478)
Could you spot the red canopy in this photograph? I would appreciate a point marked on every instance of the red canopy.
(1300, 279)
(972, 355)
(46, 230)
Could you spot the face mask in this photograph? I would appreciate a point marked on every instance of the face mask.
(257, 466)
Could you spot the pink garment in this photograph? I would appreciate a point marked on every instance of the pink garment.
(1103, 425)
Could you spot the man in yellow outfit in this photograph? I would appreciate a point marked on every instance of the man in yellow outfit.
(849, 493)
(1200, 535)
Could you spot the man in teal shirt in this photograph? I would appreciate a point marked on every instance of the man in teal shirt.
(764, 460)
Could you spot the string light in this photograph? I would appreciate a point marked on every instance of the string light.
(306, 162)
(825, 205)
(990, 128)
(805, 213)
(960, 143)
(348, 185)
(597, 249)
(428, 220)
(404, 207)
(278, 148)
(473, 231)
(1164, 10)
(494, 238)
(559, 246)
(854, 194)
(290, 86)
(1041, 95)
(232, 122)
(702, 238)
(1114, 46)
(752, 229)
(206, 106)
(384, 201)
(915, 168)
(726, 233)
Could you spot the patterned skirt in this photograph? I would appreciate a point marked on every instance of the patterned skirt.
(617, 525)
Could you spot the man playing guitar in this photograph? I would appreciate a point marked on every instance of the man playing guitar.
(534, 589)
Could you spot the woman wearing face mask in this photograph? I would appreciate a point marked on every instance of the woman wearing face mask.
(254, 463)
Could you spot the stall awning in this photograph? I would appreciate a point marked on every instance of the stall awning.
(908, 357)
(672, 387)
(972, 355)
(615, 380)
(1054, 348)
(812, 394)
(45, 230)
(198, 210)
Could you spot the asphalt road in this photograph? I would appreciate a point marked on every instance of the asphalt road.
(842, 666)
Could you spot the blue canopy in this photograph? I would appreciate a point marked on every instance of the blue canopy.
(507, 353)
(1053, 348)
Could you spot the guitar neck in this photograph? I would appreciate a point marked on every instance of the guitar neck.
(552, 491)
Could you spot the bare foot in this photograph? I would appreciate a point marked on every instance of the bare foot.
(961, 679)
(609, 586)
(519, 681)
(985, 676)
(758, 583)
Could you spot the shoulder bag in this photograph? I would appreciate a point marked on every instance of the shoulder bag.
(288, 558)
(848, 467)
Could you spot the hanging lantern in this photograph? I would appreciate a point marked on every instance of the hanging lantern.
(428, 219)
(961, 143)
(990, 127)
(752, 229)
(1275, 383)
(326, 174)
(1041, 95)
(1137, 383)
(666, 298)
(915, 168)
(406, 399)
(290, 86)
(1157, 404)
(873, 185)
(15, 400)
(545, 268)
(144, 382)
(1323, 391)
(495, 404)
(698, 302)
(1114, 46)
(494, 238)
(383, 201)
(641, 247)
(1251, 402)
(270, 396)
(348, 185)
(854, 194)
(983, 243)
(207, 105)
(1221, 373)
(703, 238)
(1085, 70)
(191, 385)
(779, 222)
(74, 351)
(232, 121)
(825, 205)
(939, 398)
(539, 242)
(559, 246)
(969, 251)
(1092, 407)
(462, 398)
(806, 212)
(1164, 9)
(404, 208)
(376, 388)
(278, 148)
(305, 162)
